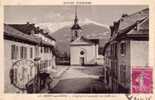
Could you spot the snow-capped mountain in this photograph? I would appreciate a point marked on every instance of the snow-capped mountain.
(88, 21)
(52, 27)
(62, 33)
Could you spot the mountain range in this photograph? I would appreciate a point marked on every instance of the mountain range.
(62, 33)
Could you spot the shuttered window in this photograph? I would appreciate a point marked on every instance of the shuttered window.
(23, 52)
(14, 52)
(31, 52)
(123, 73)
(36, 51)
(123, 48)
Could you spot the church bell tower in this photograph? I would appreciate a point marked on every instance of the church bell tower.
(75, 29)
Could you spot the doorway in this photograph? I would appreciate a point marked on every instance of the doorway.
(82, 61)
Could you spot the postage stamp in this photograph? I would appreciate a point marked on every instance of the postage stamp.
(142, 80)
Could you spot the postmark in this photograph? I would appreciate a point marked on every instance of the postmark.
(22, 72)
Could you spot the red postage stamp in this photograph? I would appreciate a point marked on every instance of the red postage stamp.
(142, 80)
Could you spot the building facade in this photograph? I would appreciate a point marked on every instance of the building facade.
(26, 55)
(83, 51)
(127, 48)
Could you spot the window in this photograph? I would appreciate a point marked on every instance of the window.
(115, 50)
(123, 73)
(82, 52)
(46, 50)
(14, 52)
(31, 52)
(111, 50)
(23, 52)
(36, 51)
(41, 49)
(123, 48)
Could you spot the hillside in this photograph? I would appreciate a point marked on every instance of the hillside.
(90, 30)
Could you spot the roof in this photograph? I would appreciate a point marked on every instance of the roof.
(46, 43)
(133, 24)
(127, 24)
(84, 41)
(126, 21)
(143, 28)
(144, 25)
(16, 35)
(25, 28)
(28, 28)
(48, 36)
(9, 31)
(76, 26)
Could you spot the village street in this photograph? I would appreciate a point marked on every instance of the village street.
(89, 49)
(78, 79)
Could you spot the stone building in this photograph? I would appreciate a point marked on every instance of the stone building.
(127, 48)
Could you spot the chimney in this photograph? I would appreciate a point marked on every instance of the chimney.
(116, 26)
(41, 31)
(137, 25)
(37, 30)
(124, 15)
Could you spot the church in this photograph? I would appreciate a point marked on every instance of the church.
(83, 51)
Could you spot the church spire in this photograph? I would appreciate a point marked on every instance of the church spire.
(75, 29)
(76, 26)
(76, 18)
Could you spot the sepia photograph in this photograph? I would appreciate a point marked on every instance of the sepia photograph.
(81, 49)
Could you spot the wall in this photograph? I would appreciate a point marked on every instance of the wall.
(75, 54)
(124, 60)
(136, 55)
(100, 60)
(8, 63)
(107, 65)
(9, 88)
(49, 59)
(139, 53)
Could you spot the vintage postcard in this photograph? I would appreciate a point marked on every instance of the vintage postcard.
(81, 49)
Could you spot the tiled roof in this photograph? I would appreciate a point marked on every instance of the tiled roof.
(128, 20)
(25, 28)
(12, 32)
(48, 36)
(144, 25)
(143, 28)
(46, 43)
(84, 41)
(137, 23)
(9, 31)
(127, 24)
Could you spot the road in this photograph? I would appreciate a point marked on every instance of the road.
(79, 79)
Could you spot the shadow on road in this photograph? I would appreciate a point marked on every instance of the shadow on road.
(80, 85)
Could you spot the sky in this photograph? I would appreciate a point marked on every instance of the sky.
(104, 14)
